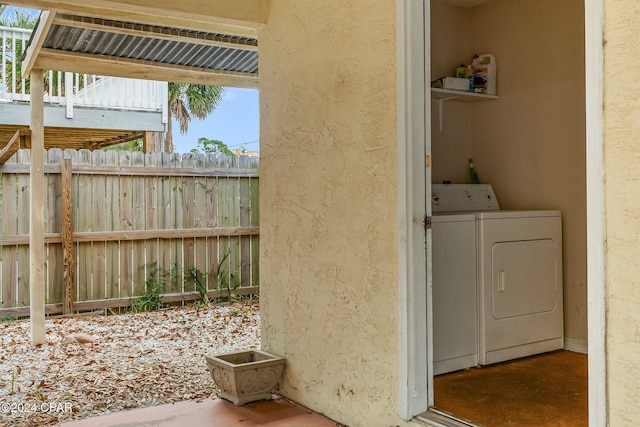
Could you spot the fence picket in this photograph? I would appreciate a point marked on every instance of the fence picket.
(112, 223)
(200, 213)
(224, 220)
(9, 227)
(233, 206)
(187, 204)
(212, 243)
(254, 212)
(176, 264)
(126, 223)
(98, 219)
(164, 219)
(138, 223)
(245, 221)
(84, 261)
(23, 194)
(54, 225)
(152, 209)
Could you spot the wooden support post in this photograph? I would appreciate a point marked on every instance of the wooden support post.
(149, 142)
(67, 238)
(36, 211)
(25, 140)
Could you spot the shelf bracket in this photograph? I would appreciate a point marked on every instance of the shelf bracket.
(441, 102)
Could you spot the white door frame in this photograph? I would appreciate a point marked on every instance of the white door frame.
(415, 356)
(413, 126)
(596, 228)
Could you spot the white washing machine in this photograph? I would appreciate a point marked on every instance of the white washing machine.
(455, 308)
(517, 277)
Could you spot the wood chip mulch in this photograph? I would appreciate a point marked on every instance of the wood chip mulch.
(92, 366)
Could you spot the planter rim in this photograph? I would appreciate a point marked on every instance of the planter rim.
(271, 358)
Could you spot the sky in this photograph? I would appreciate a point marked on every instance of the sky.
(235, 121)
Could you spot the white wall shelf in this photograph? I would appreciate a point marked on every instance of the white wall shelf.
(458, 95)
(444, 95)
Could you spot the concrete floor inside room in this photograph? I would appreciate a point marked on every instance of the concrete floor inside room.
(544, 390)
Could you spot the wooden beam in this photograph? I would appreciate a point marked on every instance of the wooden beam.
(37, 39)
(52, 309)
(137, 171)
(240, 17)
(103, 236)
(112, 236)
(25, 140)
(86, 119)
(36, 210)
(154, 32)
(13, 145)
(149, 142)
(140, 69)
(67, 238)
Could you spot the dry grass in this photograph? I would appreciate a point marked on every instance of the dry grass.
(136, 360)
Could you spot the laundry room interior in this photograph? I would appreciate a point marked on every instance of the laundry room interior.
(528, 143)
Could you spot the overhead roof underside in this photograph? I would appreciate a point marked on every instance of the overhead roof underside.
(127, 49)
(160, 45)
(69, 42)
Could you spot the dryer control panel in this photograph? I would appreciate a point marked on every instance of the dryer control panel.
(463, 197)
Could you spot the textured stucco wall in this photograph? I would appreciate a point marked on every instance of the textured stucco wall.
(328, 202)
(622, 201)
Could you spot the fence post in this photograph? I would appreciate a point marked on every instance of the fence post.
(67, 237)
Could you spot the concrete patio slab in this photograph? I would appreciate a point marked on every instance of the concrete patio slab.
(279, 412)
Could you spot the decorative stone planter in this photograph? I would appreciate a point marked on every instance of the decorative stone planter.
(245, 376)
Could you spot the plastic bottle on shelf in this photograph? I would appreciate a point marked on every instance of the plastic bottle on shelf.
(484, 69)
(469, 75)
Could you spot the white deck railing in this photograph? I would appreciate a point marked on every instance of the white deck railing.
(72, 88)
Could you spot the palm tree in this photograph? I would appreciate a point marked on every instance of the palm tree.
(187, 101)
(22, 18)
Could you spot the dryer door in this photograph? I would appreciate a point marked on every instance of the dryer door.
(520, 287)
(523, 278)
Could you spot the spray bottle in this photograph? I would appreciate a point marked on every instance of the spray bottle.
(472, 173)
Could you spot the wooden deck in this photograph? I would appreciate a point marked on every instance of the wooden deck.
(82, 111)
(74, 138)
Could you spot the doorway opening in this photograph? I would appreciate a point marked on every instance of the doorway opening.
(515, 144)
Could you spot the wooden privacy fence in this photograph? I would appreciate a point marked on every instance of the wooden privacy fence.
(135, 216)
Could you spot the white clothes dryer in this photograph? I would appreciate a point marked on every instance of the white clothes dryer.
(518, 275)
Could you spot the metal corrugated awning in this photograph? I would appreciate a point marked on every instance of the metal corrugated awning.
(77, 43)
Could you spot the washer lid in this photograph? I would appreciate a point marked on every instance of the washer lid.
(463, 197)
(439, 217)
(517, 214)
